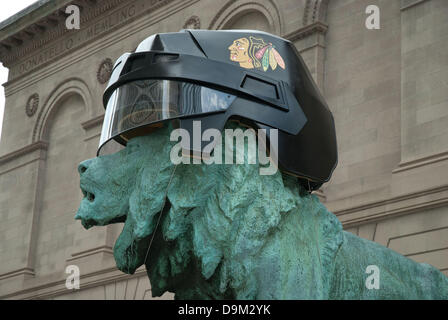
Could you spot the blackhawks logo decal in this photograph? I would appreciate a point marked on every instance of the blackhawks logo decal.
(255, 53)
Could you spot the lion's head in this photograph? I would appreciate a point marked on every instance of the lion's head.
(214, 220)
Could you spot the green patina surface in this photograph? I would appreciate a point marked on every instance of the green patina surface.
(228, 232)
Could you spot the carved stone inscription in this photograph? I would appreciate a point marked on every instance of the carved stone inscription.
(76, 38)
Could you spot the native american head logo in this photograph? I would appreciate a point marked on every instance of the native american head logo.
(255, 53)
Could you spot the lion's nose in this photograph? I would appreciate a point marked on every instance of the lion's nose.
(83, 166)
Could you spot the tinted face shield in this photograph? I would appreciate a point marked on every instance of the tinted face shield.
(141, 105)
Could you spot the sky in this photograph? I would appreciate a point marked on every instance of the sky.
(7, 9)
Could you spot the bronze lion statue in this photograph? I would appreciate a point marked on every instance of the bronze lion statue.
(227, 232)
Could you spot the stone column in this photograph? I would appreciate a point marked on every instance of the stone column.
(424, 100)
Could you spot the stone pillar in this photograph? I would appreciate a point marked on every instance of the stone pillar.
(424, 100)
(21, 174)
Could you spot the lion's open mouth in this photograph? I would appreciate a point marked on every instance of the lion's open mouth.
(87, 192)
(91, 220)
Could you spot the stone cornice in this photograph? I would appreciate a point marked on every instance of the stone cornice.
(39, 145)
(313, 28)
(91, 252)
(42, 25)
(93, 123)
(396, 206)
(92, 46)
(24, 52)
(412, 164)
(35, 13)
(18, 272)
(89, 280)
(407, 4)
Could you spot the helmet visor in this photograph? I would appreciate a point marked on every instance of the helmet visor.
(137, 105)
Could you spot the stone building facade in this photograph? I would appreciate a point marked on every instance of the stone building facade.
(387, 89)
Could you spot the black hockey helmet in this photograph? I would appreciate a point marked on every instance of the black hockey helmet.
(212, 76)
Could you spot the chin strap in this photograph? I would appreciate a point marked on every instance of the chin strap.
(160, 215)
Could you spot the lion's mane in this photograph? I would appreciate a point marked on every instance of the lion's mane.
(219, 224)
